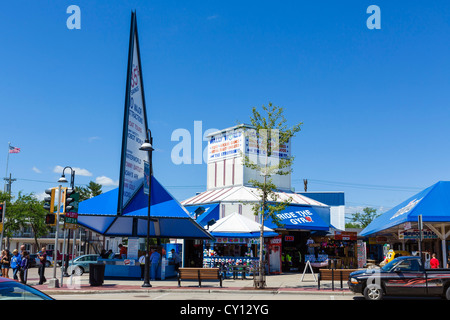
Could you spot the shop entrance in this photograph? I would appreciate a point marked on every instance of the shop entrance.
(293, 250)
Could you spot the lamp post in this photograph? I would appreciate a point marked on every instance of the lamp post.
(148, 146)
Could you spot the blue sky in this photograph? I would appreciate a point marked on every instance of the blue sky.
(374, 103)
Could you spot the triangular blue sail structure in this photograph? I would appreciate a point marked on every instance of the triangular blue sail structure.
(169, 219)
(433, 204)
(124, 211)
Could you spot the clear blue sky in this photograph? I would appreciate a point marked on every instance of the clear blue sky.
(375, 103)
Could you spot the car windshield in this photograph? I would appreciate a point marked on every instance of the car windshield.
(17, 291)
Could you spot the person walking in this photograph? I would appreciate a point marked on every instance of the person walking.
(24, 265)
(42, 255)
(155, 258)
(22, 254)
(15, 263)
(142, 265)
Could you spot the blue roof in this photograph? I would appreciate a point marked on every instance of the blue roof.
(433, 204)
(300, 218)
(212, 211)
(172, 220)
(328, 198)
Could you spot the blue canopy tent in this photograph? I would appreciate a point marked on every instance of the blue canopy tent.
(168, 217)
(433, 204)
(301, 218)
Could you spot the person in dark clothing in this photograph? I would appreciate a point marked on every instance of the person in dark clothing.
(24, 265)
(42, 255)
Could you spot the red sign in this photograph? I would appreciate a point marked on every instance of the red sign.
(288, 238)
(345, 235)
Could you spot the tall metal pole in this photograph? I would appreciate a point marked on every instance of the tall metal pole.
(3, 222)
(54, 281)
(147, 255)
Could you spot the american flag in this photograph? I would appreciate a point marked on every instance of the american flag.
(13, 149)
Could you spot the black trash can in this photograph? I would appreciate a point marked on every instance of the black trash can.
(96, 274)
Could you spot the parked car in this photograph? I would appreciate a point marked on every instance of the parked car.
(403, 276)
(33, 260)
(13, 290)
(80, 265)
(59, 256)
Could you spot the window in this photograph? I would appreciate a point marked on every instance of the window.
(408, 266)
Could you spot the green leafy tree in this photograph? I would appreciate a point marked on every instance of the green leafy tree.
(26, 211)
(363, 219)
(270, 133)
(91, 190)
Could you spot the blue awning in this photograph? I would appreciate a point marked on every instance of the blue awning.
(433, 204)
(169, 219)
(301, 218)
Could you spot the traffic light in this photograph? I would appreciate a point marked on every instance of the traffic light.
(1, 212)
(50, 219)
(67, 200)
(49, 202)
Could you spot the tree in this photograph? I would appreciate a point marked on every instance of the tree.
(363, 219)
(270, 132)
(91, 190)
(26, 211)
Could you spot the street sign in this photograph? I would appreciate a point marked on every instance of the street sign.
(71, 220)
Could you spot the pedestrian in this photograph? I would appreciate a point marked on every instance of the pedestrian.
(434, 263)
(42, 255)
(15, 263)
(22, 253)
(122, 251)
(5, 261)
(142, 265)
(155, 258)
(24, 265)
(176, 259)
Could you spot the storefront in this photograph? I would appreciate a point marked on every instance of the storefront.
(338, 250)
(237, 243)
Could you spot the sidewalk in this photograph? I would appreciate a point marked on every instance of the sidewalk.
(287, 283)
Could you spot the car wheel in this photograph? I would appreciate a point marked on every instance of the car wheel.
(447, 293)
(373, 292)
(78, 271)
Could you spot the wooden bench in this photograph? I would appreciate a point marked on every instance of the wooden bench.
(199, 274)
(334, 275)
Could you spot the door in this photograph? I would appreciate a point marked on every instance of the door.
(406, 278)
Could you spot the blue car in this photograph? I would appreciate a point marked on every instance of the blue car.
(80, 265)
(13, 290)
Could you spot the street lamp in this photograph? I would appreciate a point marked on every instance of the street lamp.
(72, 177)
(148, 146)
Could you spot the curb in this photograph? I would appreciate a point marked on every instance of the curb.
(282, 291)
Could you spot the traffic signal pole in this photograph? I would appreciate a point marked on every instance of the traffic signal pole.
(54, 283)
(3, 222)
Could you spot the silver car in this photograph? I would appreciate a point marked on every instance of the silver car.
(80, 265)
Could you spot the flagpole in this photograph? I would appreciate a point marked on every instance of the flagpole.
(7, 161)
